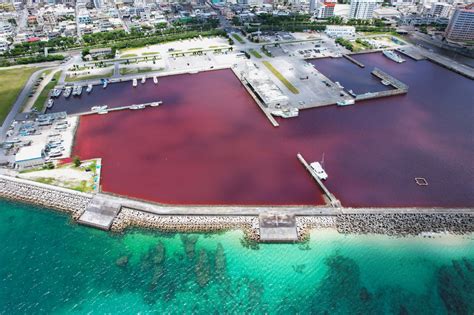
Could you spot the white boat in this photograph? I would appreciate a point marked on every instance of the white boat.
(345, 102)
(155, 104)
(67, 92)
(352, 93)
(318, 169)
(105, 83)
(385, 82)
(137, 107)
(50, 103)
(286, 113)
(135, 83)
(393, 56)
(155, 80)
(102, 112)
(79, 90)
(99, 108)
(89, 88)
(143, 80)
(339, 84)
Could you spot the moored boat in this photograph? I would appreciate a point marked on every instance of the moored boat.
(89, 88)
(318, 169)
(135, 83)
(155, 80)
(50, 103)
(393, 56)
(143, 80)
(345, 102)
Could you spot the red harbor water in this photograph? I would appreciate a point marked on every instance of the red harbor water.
(209, 143)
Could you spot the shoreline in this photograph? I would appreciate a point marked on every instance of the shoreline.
(345, 221)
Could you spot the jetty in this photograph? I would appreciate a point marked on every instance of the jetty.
(360, 64)
(332, 199)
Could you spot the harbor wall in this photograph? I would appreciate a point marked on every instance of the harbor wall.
(61, 199)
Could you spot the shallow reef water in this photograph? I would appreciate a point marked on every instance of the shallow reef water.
(50, 265)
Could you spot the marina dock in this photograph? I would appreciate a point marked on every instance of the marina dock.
(399, 87)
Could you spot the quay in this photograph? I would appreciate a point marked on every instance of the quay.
(332, 199)
(419, 53)
(360, 64)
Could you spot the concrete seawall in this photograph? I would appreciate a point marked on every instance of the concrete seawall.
(58, 198)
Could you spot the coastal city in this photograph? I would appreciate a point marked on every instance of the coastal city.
(285, 123)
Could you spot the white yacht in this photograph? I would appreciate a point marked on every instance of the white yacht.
(318, 169)
(286, 113)
(155, 80)
(155, 104)
(135, 83)
(143, 80)
(50, 103)
(89, 88)
(390, 54)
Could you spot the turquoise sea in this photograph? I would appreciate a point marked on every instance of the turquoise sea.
(50, 265)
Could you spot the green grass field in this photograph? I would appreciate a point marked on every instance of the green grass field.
(238, 38)
(11, 83)
(255, 53)
(41, 100)
(280, 77)
(125, 71)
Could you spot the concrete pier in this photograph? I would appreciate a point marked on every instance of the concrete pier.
(277, 227)
(100, 213)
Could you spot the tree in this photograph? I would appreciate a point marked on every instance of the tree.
(77, 161)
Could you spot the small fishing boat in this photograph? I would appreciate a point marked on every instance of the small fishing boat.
(89, 88)
(155, 80)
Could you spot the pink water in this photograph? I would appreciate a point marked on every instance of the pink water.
(209, 144)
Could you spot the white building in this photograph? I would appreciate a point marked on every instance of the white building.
(401, 2)
(363, 9)
(461, 25)
(325, 9)
(340, 31)
(440, 9)
(29, 157)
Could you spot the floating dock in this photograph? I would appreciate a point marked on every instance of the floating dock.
(399, 87)
(108, 110)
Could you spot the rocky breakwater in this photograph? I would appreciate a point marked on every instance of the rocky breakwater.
(304, 225)
(58, 198)
(405, 223)
(186, 223)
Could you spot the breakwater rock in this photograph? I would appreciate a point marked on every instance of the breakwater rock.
(186, 223)
(58, 198)
(405, 223)
(304, 224)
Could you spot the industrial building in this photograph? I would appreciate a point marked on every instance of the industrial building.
(30, 156)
